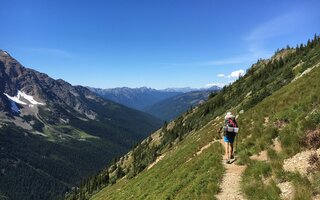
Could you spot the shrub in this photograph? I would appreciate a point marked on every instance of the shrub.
(312, 139)
(314, 163)
(313, 159)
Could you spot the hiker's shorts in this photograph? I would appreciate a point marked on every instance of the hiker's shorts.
(229, 137)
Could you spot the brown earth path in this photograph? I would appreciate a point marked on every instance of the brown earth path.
(230, 186)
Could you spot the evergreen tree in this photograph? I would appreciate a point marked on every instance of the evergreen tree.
(106, 177)
(119, 172)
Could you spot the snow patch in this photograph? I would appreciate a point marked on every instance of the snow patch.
(30, 99)
(3, 52)
(15, 99)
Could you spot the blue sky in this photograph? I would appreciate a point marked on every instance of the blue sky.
(153, 43)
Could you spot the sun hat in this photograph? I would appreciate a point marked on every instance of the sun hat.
(228, 115)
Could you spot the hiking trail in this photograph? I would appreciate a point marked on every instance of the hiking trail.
(206, 147)
(230, 186)
(156, 161)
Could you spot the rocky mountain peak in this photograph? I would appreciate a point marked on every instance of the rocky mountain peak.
(24, 86)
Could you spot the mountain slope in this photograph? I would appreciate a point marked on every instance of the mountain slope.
(53, 134)
(137, 98)
(172, 107)
(278, 99)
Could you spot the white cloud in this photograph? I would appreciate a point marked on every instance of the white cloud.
(229, 79)
(236, 74)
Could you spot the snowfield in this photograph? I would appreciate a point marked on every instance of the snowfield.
(23, 99)
(15, 99)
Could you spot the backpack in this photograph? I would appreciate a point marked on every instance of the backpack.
(232, 123)
(230, 126)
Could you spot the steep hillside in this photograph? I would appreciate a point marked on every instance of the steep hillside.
(53, 134)
(278, 105)
(137, 98)
(172, 107)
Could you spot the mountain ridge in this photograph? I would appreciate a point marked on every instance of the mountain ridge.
(157, 102)
(172, 107)
(53, 133)
(137, 98)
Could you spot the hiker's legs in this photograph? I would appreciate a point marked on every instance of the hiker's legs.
(227, 150)
(231, 149)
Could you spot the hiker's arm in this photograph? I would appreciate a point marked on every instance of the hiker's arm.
(220, 129)
(235, 121)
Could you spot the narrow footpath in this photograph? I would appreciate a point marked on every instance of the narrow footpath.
(230, 186)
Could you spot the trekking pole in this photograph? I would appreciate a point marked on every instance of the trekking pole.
(228, 151)
(237, 137)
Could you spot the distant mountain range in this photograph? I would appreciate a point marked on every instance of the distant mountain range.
(164, 104)
(185, 89)
(137, 98)
(53, 134)
(170, 108)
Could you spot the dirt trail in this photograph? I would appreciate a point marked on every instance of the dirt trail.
(156, 161)
(230, 186)
(206, 147)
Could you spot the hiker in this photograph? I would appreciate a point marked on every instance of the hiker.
(230, 130)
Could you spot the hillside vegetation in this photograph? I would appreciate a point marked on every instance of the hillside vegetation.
(47, 147)
(277, 100)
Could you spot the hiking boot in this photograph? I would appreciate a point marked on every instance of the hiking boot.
(232, 157)
(228, 161)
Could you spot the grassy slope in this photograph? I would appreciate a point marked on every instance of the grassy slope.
(288, 107)
(292, 105)
(174, 177)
